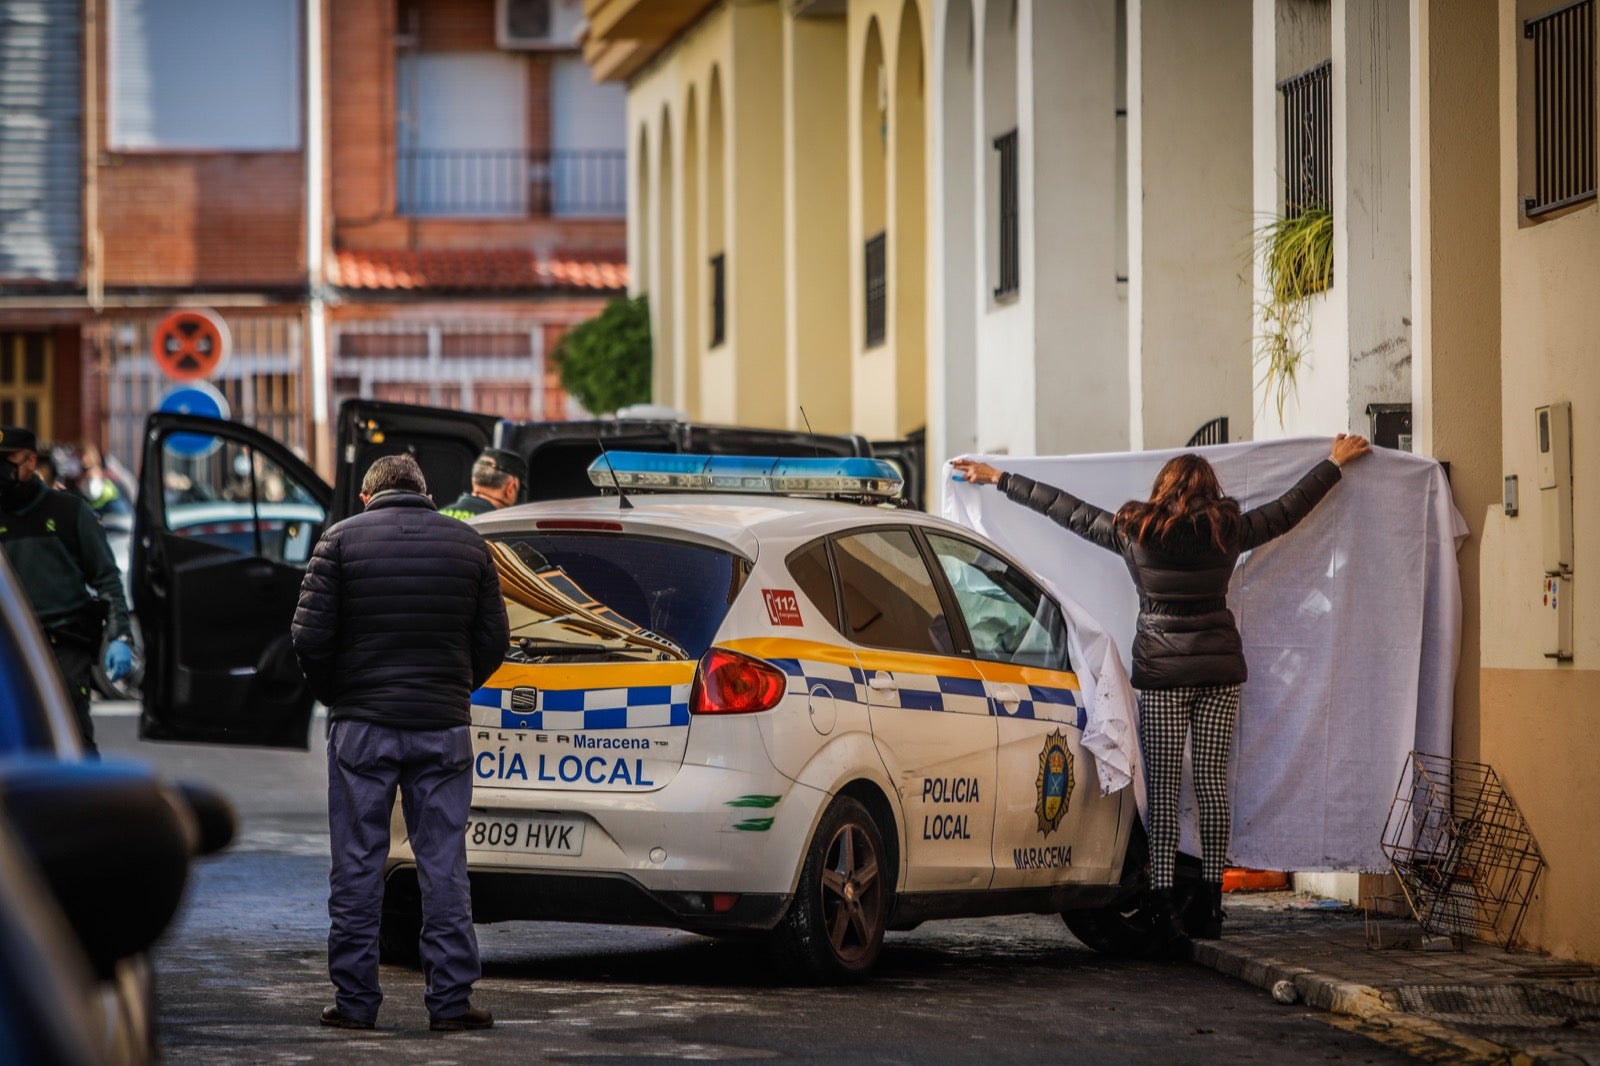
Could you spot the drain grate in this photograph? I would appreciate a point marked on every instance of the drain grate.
(1525, 1005)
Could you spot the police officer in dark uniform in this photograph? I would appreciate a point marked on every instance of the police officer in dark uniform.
(497, 478)
(59, 552)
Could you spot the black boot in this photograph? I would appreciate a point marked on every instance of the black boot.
(1210, 903)
(1167, 940)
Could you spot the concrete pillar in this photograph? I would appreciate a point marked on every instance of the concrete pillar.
(1455, 291)
(1190, 208)
(953, 340)
(1080, 313)
(1372, 231)
(756, 272)
(816, 225)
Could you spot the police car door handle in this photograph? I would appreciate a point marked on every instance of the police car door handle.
(882, 682)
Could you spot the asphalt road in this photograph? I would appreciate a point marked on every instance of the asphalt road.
(241, 976)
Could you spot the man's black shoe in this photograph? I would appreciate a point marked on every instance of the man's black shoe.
(332, 1018)
(471, 1018)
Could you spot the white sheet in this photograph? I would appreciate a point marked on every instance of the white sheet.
(1351, 628)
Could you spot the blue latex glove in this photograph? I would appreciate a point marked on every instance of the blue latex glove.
(119, 660)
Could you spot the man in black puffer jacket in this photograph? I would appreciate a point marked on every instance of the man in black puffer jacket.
(400, 619)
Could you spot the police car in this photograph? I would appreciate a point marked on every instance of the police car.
(744, 697)
(733, 707)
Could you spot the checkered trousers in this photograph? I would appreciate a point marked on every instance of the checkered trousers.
(1207, 712)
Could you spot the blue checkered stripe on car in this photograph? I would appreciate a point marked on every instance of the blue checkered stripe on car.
(929, 692)
(639, 707)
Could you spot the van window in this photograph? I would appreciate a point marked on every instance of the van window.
(576, 597)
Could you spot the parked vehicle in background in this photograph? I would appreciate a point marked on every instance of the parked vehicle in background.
(93, 860)
(745, 714)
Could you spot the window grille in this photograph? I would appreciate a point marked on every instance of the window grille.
(1563, 107)
(877, 282)
(1308, 140)
(1009, 265)
(719, 307)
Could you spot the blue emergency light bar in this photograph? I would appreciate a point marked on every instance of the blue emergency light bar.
(685, 472)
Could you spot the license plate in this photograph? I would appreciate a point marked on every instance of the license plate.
(529, 834)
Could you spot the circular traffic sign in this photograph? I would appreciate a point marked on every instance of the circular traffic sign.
(190, 344)
(197, 399)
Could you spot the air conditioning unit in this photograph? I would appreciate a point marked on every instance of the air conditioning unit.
(526, 25)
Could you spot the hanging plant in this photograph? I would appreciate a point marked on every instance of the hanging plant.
(1296, 255)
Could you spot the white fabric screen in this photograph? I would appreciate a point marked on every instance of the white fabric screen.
(1351, 628)
(216, 75)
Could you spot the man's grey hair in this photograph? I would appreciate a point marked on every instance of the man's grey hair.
(485, 473)
(394, 472)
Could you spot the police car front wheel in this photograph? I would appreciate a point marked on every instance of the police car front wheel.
(834, 929)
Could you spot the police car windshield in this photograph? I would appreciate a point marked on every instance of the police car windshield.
(599, 596)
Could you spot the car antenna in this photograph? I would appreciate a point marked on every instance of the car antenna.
(622, 496)
(814, 442)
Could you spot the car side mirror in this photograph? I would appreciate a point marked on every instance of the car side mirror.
(112, 843)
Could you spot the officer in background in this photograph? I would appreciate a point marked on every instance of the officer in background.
(59, 552)
(497, 479)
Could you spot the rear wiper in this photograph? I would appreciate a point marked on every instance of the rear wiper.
(530, 646)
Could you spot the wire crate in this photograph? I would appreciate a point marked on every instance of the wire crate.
(1466, 860)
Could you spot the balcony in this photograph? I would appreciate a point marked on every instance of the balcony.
(511, 183)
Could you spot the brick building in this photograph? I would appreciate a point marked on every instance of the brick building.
(395, 199)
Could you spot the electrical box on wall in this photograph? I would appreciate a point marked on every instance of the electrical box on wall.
(1558, 612)
(1554, 428)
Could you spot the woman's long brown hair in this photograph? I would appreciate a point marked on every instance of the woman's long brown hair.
(1186, 496)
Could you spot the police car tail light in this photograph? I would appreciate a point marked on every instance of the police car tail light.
(848, 476)
(727, 682)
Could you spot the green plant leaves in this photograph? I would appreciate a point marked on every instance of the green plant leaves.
(605, 362)
(1296, 255)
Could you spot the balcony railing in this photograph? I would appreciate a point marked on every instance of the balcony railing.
(511, 183)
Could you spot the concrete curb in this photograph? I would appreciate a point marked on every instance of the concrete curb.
(1423, 1037)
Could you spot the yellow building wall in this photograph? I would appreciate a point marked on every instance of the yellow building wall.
(890, 395)
(1540, 720)
(730, 64)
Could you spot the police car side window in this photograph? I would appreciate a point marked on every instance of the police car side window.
(888, 596)
(809, 568)
(1010, 618)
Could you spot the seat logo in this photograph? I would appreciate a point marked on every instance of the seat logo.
(524, 698)
(1054, 782)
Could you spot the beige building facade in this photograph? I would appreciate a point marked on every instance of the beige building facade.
(1025, 225)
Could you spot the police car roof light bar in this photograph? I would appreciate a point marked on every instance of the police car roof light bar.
(852, 476)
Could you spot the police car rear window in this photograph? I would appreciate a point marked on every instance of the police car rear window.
(577, 597)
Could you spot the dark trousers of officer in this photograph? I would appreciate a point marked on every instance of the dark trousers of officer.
(432, 770)
(75, 661)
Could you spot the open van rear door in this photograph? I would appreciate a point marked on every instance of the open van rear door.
(444, 443)
(223, 531)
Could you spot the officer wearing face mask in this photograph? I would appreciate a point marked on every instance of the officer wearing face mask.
(58, 550)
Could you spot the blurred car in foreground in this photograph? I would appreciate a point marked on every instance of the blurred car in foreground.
(93, 861)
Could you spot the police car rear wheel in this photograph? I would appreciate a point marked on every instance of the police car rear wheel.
(834, 930)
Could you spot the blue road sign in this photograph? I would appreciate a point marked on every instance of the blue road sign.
(197, 398)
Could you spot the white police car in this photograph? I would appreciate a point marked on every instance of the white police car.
(739, 710)
(756, 713)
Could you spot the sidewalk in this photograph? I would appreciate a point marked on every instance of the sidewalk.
(1476, 1005)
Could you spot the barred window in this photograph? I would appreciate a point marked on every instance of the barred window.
(719, 307)
(876, 255)
(1009, 263)
(1308, 140)
(1563, 127)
